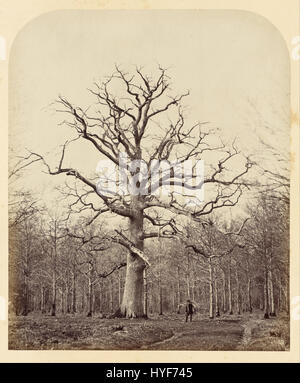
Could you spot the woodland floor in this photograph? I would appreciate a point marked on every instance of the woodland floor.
(166, 332)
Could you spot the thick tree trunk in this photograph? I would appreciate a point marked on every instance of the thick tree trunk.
(132, 303)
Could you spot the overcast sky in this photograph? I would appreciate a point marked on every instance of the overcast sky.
(234, 63)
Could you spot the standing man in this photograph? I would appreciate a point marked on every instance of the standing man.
(189, 310)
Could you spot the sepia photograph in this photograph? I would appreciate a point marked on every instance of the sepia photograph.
(149, 182)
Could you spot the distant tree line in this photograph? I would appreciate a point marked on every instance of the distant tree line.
(57, 268)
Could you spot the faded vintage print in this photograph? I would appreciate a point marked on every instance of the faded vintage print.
(149, 182)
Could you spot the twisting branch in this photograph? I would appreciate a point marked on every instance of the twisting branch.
(124, 241)
(108, 273)
(121, 210)
(211, 256)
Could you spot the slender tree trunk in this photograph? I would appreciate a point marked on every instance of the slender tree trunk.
(217, 298)
(178, 287)
(83, 298)
(34, 301)
(238, 302)
(67, 297)
(101, 296)
(53, 306)
(174, 295)
(145, 294)
(271, 288)
(26, 286)
(249, 295)
(249, 282)
(25, 308)
(188, 277)
(200, 295)
(279, 294)
(160, 294)
(224, 293)
(62, 309)
(119, 288)
(111, 294)
(107, 297)
(270, 284)
(266, 288)
(150, 297)
(284, 297)
(193, 289)
(262, 299)
(287, 302)
(26, 274)
(211, 290)
(74, 303)
(90, 292)
(68, 292)
(229, 290)
(54, 271)
(42, 299)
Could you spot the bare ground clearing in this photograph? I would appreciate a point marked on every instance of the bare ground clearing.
(166, 332)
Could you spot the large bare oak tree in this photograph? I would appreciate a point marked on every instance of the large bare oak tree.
(135, 113)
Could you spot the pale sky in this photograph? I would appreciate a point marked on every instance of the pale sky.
(234, 63)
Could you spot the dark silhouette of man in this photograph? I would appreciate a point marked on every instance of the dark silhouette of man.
(189, 310)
